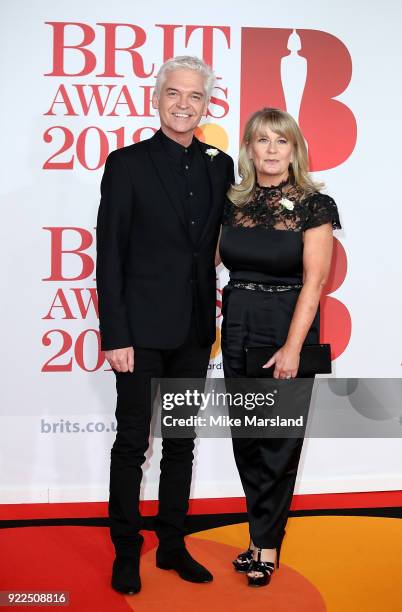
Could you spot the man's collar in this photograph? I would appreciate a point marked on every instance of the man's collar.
(174, 149)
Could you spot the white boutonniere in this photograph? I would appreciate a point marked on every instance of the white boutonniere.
(288, 204)
(212, 153)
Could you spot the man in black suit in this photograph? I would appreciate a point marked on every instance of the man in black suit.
(157, 230)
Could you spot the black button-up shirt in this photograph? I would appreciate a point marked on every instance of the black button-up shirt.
(189, 167)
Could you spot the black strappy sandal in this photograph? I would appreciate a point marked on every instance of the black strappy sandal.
(264, 569)
(243, 560)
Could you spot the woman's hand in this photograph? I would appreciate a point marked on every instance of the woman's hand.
(286, 362)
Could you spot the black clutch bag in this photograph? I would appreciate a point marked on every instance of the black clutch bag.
(314, 359)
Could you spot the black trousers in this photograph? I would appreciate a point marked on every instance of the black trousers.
(133, 415)
(267, 466)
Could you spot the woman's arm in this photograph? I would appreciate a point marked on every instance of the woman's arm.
(317, 255)
(217, 254)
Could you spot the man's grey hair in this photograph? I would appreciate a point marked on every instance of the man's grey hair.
(186, 62)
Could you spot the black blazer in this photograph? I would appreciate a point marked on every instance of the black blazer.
(148, 267)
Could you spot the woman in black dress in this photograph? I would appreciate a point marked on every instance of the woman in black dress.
(276, 242)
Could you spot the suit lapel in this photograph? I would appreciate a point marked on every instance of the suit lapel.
(162, 167)
(213, 174)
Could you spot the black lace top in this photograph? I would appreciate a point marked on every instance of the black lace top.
(262, 241)
(283, 208)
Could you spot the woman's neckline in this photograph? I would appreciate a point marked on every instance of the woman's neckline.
(283, 183)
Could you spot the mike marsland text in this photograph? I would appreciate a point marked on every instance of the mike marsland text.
(226, 421)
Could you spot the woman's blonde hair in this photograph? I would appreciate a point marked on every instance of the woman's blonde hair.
(284, 125)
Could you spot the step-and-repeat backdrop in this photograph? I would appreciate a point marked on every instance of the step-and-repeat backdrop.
(77, 81)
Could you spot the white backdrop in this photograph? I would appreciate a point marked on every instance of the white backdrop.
(57, 414)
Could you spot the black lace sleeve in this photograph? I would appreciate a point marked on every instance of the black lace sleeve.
(321, 208)
(228, 212)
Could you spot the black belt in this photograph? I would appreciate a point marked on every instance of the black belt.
(253, 286)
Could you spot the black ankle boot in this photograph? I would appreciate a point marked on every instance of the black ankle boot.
(126, 569)
(183, 563)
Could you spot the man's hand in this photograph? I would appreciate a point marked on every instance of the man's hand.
(121, 360)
